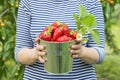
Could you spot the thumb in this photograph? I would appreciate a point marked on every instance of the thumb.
(79, 41)
(37, 40)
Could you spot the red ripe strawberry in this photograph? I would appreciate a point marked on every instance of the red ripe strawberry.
(54, 28)
(45, 29)
(56, 24)
(64, 38)
(57, 34)
(70, 38)
(48, 28)
(73, 34)
(66, 31)
(45, 36)
(41, 36)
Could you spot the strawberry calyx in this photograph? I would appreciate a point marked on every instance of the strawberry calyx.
(56, 24)
(72, 32)
(49, 30)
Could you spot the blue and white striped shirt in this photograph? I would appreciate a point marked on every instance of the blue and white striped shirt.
(34, 15)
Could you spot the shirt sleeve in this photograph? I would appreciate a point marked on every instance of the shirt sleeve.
(95, 8)
(23, 38)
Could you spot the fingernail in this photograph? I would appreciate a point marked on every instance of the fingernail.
(45, 53)
(70, 46)
(44, 47)
(45, 60)
(71, 55)
(69, 51)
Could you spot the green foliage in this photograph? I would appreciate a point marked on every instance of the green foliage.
(109, 69)
(9, 69)
(85, 22)
(108, 9)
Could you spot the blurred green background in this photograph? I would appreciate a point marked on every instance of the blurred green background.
(108, 70)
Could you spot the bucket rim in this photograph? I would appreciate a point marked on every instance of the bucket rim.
(57, 42)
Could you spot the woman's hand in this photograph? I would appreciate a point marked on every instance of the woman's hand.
(76, 50)
(88, 55)
(40, 51)
(29, 56)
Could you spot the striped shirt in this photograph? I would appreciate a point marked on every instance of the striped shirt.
(34, 15)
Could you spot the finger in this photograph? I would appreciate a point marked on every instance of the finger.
(74, 52)
(40, 47)
(45, 59)
(42, 53)
(42, 60)
(75, 56)
(79, 41)
(76, 47)
(37, 40)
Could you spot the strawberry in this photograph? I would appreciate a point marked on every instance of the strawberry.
(45, 29)
(48, 28)
(56, 24)
(70, 38)
(64, 38)
(45, 36)
(41, 36)
(66, 31)
(57, 34)
(73, 34)
(54, 28)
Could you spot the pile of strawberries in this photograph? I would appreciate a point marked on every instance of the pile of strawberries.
(57, 32)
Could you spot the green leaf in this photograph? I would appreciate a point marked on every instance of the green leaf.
(1, 46)
(6, 54)
(14, 69)
(3, 34)
(85, 40)
(1, 8)
(75, 16)
(88, 21)
(78, 21)
(6, 70)
(82, 11)
(95, 24)
(95, 36)
(82, 30)
(1, 73)
(8, 23)
(6, 46)
(11, 39)
(107, 11)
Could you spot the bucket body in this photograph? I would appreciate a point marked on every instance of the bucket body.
(59, 60)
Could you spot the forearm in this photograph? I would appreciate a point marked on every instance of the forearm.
(27, 56)
(89, 55)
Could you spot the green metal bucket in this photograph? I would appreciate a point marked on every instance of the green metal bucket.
(59, 60)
